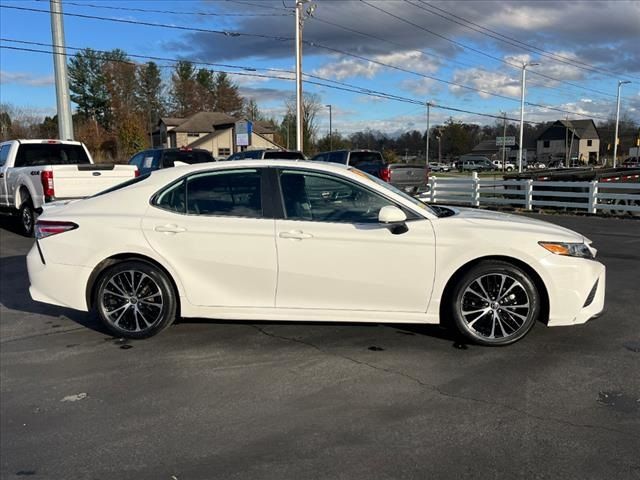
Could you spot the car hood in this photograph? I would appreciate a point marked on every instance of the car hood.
(508, 222)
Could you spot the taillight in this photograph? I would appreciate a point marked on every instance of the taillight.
(385, 174)
(137, 173)
(46, 177)
(46, 228)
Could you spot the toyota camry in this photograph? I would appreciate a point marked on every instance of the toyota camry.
(301, 241)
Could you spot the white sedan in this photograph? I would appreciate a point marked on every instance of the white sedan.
(300, 241)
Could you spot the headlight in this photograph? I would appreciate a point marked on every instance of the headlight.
(581, 250)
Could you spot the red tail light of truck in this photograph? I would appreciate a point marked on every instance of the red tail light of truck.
(385, 174)
(46, 177)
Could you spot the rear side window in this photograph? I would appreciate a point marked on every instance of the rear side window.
(37, 154)
(234, 194)
(4, 154)
(173, 198)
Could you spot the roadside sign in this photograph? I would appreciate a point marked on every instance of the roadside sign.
(505, 141)
(243, 133)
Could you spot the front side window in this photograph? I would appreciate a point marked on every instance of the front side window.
(234, 194)
(325, 198)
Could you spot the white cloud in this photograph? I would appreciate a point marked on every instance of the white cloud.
(489, 81)
(28, 79)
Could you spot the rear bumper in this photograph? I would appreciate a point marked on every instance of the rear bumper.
(62, 285)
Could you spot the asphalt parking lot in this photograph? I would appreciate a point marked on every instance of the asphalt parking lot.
(209, 400)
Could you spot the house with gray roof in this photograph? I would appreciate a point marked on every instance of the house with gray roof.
(212, 131)
(576, 141)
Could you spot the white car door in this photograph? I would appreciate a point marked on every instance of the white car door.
(334, 254)
(211, 228)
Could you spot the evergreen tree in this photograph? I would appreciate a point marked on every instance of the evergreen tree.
(88, 85)
(205, 90)
(184, 90)
(228, 100)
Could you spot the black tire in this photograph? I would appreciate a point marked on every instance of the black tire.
(135, 299)
(495, 303)
(26, 218)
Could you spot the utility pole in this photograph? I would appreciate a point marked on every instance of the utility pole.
(428, 127)
(63, 101)
(300, 18)
(522, 87)
(504, 139)
(330, 130)
(615, 139)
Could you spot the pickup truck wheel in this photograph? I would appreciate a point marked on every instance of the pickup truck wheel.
(495, 303)
(26, 218)
(135, 299)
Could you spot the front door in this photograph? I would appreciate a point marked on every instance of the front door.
(210, 227)
(334, 254)
(4, 154)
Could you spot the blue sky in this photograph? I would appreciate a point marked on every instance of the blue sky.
(583, 49)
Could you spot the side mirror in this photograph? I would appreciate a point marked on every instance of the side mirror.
(391, 214)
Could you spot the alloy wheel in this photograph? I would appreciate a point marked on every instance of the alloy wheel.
(495, 306)
(132, 301)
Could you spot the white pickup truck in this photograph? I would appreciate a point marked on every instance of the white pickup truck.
(36, 172)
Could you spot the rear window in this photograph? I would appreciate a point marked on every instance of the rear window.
(36, 154)
(359, 158)
(186, 156)
(284, 155)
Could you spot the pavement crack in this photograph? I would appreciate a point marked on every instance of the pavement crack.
(440, 391)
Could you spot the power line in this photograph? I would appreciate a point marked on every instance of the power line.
(169, 12)
(457, 62)
(306, 42)
(480, 52)
(524, 45)
(365, 92)
(226, 33)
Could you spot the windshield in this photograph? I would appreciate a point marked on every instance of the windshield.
(395, 190)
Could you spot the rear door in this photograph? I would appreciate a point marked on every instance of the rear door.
(216, 231)
(333, 253)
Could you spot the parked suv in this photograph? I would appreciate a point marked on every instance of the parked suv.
(411, 178)
(268, 154)
(157, 158)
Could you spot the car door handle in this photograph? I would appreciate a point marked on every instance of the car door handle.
(296, 235)
(169, 229)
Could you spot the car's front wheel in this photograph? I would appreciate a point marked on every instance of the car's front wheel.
(135, 299)
(495, 303)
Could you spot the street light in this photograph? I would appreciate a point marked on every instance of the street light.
(300, 18)
(615, 139)
(330, 131)
(524, 69)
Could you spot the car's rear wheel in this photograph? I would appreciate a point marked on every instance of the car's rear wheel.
(135, 299)
(495, 303)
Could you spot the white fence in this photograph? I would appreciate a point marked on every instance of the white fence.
(616, 198)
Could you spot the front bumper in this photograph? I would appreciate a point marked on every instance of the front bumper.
(576, 289)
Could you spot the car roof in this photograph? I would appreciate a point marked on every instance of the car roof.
(250, 163)
(52, 141)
